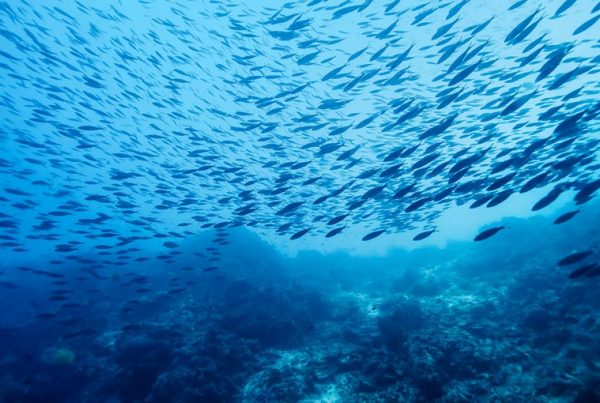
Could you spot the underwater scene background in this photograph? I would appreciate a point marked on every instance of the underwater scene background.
(303, 201)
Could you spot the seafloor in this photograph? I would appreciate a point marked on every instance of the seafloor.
(495, 322)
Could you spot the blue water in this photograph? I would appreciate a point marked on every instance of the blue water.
(309, 201)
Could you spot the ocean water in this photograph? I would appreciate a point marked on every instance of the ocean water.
(302, 201)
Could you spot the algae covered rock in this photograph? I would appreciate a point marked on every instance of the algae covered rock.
(397, 320)
(58, 356)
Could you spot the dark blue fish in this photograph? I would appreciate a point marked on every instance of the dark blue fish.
(488, 233)
(552, 62)
(334, 232)
(423, 235)
(565, 217)
(510, 38)
(573, 258)
(464, 73)
(586, 25)
(373, 235)
(456, 9)
(386, 32)
(299, 234)
(563, 7)
(439, 128)
(549, 198)
(583, 270)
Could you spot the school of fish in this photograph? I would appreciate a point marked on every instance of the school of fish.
(124, 122)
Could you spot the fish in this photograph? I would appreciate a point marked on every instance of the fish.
(565, 217)
(583, 270)
(521, 26)
(337, 219)
(464, 73)
(210, 268)
(517, 4)
(438, 129)
(400, 193)
(517, 103)
(586, 192)
(568, 76)
(9, 285)
(534, 182)
(290, 208)
(549, 198)
(574, 258)
(455, 9)
(299, 234)
(373, 235)
(488, 233)
(586, 25)
(563, 7)
(334, 232)
(552, 62)
(423, 235)
(500, 198)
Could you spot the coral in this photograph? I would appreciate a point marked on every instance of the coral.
(397, 320)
